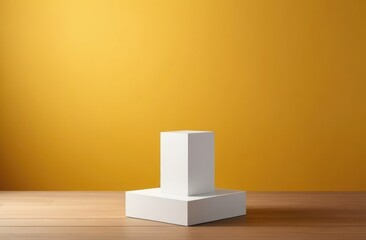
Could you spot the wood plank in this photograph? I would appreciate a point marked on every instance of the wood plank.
(202, 233)
(79, 222)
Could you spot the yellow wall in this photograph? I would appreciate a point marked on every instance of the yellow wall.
(86, 87)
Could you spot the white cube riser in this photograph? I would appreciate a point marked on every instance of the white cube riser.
(187, 163)
(163, 208)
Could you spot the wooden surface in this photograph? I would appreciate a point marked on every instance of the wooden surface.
(100, 215)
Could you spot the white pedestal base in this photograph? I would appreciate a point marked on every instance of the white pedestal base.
(151, 204)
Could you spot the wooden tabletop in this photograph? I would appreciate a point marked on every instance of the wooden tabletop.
(100, 215)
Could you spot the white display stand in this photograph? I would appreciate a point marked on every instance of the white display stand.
(187, 195)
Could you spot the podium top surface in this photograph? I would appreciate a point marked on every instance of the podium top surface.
(156, 192)
(188, 131)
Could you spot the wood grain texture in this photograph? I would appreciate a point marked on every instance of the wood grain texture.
(100, 215)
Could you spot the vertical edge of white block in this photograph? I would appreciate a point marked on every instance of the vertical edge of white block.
(201, 163)
(174, 163)
(156, 208)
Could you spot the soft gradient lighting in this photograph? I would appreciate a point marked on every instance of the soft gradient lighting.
(87, 86)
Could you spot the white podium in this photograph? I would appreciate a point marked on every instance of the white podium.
(187, 194)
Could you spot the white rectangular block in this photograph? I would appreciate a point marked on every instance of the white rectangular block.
(154, 205)
(187, 162)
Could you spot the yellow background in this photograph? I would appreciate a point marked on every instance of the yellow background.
(86, 87)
